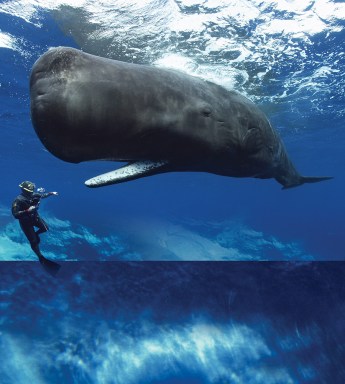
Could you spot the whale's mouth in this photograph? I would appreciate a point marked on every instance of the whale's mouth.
(131, 171)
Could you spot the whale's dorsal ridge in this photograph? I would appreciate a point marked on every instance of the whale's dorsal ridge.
(128, 172)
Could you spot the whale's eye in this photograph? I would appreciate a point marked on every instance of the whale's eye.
(206, 112)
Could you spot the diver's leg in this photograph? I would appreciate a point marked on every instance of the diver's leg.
(29, 231)
(31, 235)
(50, 266)
(41, 225)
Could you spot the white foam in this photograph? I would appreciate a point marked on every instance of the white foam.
(7, 41)
(178, 62)
(310, 16)
(298, 27)
(228, 77)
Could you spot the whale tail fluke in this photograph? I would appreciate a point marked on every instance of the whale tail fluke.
(303, 180)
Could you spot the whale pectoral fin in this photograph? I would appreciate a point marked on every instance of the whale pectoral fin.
(128, 172)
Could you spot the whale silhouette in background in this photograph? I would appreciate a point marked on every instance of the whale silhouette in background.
(84, 107)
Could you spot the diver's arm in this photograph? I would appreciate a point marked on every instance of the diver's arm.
(18, 211)
(44, 195)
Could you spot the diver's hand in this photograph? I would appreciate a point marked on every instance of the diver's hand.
(30, 209)
(54, 193)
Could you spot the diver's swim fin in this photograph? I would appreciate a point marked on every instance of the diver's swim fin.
(49, 266)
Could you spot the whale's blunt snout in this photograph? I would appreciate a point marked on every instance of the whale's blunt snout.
(54, 111)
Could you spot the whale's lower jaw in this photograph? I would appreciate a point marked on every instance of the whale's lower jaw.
(129, 172)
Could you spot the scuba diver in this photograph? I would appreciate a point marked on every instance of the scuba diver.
(25, 209)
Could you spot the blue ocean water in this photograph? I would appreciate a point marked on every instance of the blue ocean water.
(210, 321)
(285, 56)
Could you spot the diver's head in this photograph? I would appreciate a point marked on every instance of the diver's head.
(27, 187)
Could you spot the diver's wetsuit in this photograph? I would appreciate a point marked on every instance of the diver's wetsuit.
(29, 220)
